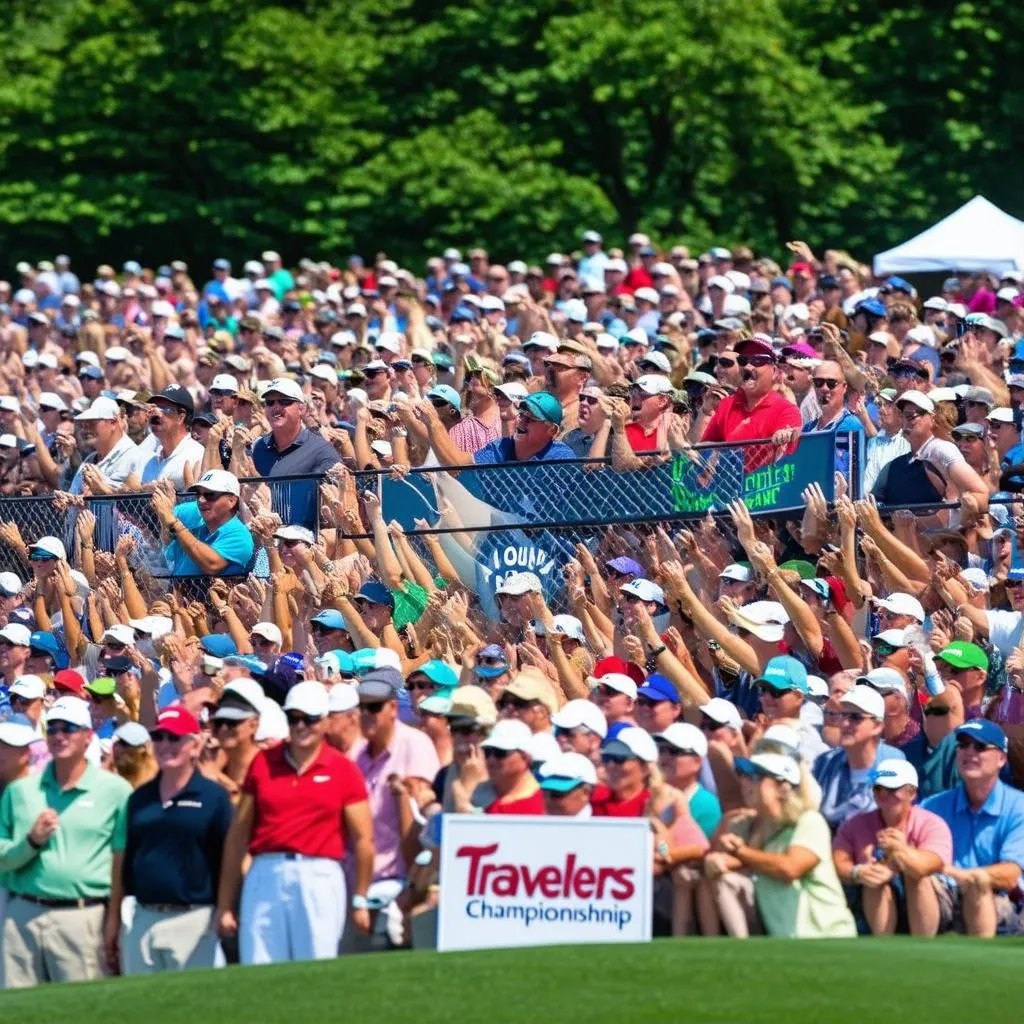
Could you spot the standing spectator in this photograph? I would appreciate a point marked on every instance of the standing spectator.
(170, 421)
(986, 818)
(302, 806)
(844, 774)
(59, 830)
(176, 827)
(895, 854)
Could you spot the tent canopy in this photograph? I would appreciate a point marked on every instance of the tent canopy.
(978, 236)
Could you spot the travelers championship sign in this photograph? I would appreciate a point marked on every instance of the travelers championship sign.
(496, 503)
(535, 881)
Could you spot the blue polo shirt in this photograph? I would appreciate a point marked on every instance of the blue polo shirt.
(232, 541)
(841, 797)
(994, 834)
(504, 450)
(173, 851)
(295, 502)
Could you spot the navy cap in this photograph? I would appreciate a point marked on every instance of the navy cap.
(984, 731)
(205, 418)
(294, 659)
(377, 593)
(279, 678)
(218, 645)
(117, 665)
(626, 566)
(658, 687)
(827, 281)
(23, 616)
(464, 315)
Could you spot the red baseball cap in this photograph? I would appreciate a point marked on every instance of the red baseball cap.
(605, 666)
(802, 268)
(178, 721)
(70, 680)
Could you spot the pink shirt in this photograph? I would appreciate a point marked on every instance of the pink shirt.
(471, 433)
(410, 753)
(925, 831)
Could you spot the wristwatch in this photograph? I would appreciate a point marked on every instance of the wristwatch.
(360, 902)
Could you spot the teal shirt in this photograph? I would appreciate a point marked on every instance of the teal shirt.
(282, 282)
(705, 810)
(75, 861)
(232, 541)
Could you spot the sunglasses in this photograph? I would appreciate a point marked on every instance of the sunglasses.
(509, 700)
(466, 729)
(260, 641)
(224, 723)
(727, 364)
(297, 718)
(965, 743)
(373, 708)
(852, 716)
(62, 729)
(647, 702)
(370, 374)
(160, 736)
(269, 403)
(497, 755)
(619, 759)
(826, 382)
(756, 361)
(588, 400)
(884, 649)
(1013, 584)
(420, 684)
(492, 662)
(319, 629)
(420, 361)
(771, 691)
(606, 691)
(282, 543)
(710, 725)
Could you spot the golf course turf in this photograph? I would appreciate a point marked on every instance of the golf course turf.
(774, 981)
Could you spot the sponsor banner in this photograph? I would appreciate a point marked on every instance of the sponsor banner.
(536, 881)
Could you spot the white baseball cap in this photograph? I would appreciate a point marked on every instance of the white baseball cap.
(273, 724)
(10, 584)
(18, 731)
(101, 409)
(644, 590)
(922, 401)
(219, 481)
(342, 697)
(295, 533)
(775, 766)
(865, 699)
(224, 382)
(308, 697)
(575, 714)
(72, 710)
(510, 734)
(618, 681)
(30, 687)
(286, 387)
(632, 742)
(901, 604)
(514, 391)
(541, 339)
(132, 734)
(785, 735)
(724, 712)
(569, 769)
(325, 372)
(893, 773)
(567, 624)
(686, 738)
(518, 583)
(116, 354)
(51, 400)
(120, 634)
(153, 626)
(654, 384)
(658, 360)
(267, 630)
(884, 680)
(735, 571)
(390, 341)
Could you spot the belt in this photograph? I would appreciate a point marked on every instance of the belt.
(95, 901)
(174, 908)
(292, 855)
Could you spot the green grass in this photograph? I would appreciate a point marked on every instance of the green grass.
(710, 980)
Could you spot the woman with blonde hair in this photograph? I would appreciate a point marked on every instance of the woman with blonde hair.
(771, 869)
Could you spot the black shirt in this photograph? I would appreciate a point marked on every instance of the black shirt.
(173, 851)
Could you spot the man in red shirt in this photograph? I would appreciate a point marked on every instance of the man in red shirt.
(757, 412)
(628, 762)
(507, 757)
(650, 399)
(302, 804)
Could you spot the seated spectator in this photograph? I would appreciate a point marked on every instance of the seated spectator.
(986, 818)
(630, 764)
(895, 855)
(567, 782)
(507, 757)
(580, 728)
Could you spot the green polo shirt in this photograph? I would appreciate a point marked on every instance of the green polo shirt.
(75, 862)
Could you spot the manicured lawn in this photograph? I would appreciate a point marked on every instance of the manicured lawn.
(762, 980)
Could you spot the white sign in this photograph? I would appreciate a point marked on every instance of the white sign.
(534, 881)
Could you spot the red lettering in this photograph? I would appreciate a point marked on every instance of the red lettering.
(550, 880)
(583, 883)
(570, 867)
(475, 855)
(506, 880)
(626, 888)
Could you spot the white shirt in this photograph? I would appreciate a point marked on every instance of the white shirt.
(117, 465)
(173, 466)
(880, 451)
(1004, 630)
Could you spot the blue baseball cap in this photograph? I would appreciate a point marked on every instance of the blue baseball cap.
(329, 618)
(492, 671)
(872, 306)
(626, 566)
(464, 315)
(785, 673)
(658, 687)
(45, 642)
(615, 728)
(447, 394)
(440, 673)
(898, 284)
(376, 593)
(338, 663)
(92, 372)
(294, 659)
(544, 406)
(218, 645)
(1017, 573)
(255, 666)
(984, 731)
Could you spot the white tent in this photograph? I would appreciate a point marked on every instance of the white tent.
(978, 236)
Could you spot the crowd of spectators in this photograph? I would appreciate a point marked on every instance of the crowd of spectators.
(822, 718)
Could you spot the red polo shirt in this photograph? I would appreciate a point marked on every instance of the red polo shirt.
(732, 421)
(302, 813)
(533, 804)
(640, 440)
(605, 806)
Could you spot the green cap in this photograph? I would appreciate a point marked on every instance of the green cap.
(805, 570)
(887, 394)
(105, 686)
(544, 406)
(964, 655)
(442, 360)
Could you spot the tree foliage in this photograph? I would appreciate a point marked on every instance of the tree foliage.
(161, 128)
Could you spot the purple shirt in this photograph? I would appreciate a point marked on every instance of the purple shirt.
(410, 753)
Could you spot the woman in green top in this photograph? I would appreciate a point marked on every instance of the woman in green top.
(773, 870)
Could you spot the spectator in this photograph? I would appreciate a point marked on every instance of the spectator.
(170, 421)
(176, 825)
(567, 782)
(114, 456)
(986, 818)
(507, 757)
(630, 767)
(56, 851)
(206, 537)
(895, 855)
(580, 728)
(297, 831)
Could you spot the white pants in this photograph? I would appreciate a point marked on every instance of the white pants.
(168, 941)
(292, 909)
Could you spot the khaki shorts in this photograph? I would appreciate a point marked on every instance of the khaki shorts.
(951, 915)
